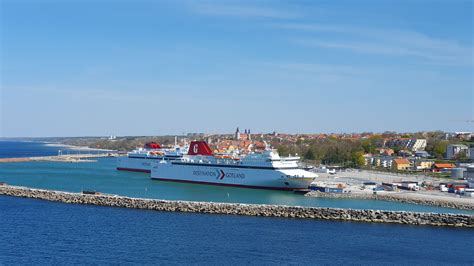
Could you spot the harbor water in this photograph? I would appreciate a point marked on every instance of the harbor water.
(41, 232)
(20, 149)
(103, 177)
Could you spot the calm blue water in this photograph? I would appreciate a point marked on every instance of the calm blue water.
(17, 149)
(103, 177)
(40, 232)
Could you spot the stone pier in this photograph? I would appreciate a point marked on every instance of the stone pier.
(376, 216)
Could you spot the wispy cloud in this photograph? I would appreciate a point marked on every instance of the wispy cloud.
(314, 69)
(243, 10)
(391, 42)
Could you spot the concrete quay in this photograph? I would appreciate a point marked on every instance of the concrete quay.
(376, 216)
(404, 197)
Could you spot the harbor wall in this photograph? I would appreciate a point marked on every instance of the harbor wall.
(404, 198)
(397, 217)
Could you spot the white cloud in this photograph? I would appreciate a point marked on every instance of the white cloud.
(391, 42)
(241, 10)
(318, 69)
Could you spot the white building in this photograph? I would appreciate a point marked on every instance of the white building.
(387, 162)
(383, 161)
(417, 144)
(454, 149)
(369, 159)
(471, 152)
(463, 135)
(378, 161)
(409, 144)
(470, 176)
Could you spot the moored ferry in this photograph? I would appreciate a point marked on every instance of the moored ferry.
(140, 159)
(265, 169)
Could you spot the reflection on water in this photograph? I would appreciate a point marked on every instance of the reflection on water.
(103, 177)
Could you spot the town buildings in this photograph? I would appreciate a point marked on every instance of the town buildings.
(422, 154)
(401, 164)
(464, 135)
(398, 163)
(470, 176)
(443, 167)
(390, 151)
(386, 151)
(454, 150)
(411, 144)
(383, 161)
(423, 164)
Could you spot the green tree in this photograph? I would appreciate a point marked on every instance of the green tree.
(368, 146)
(439, 149)
(358, 159)
(462, 155)
(309, 155)
(283, 150)
(396, 149)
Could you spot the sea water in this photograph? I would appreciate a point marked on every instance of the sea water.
(19, 149)
(40, 232)
(102, 176)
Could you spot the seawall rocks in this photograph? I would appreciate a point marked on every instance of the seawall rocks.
(398, 217)
(393, 197)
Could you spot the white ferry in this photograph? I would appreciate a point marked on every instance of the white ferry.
(265, 170)
(140, 159)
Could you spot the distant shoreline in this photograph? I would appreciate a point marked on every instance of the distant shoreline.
(57, 144)
(73, 147)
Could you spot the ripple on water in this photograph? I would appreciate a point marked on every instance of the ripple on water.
(102, 176)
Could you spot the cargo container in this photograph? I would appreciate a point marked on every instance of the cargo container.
(469, 192)
(443, 188)
(317, 188)
(333, 190)
(457, 173)
(326, 189)
(370, 185)
(409, 185)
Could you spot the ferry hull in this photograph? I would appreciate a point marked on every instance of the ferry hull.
(265, 178)
(134, 164)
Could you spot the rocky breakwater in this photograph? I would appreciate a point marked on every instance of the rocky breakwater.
(410, 197)
(377, 216)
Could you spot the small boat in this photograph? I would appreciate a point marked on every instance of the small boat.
(90, 192)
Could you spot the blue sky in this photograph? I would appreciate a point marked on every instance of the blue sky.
(87, 68)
